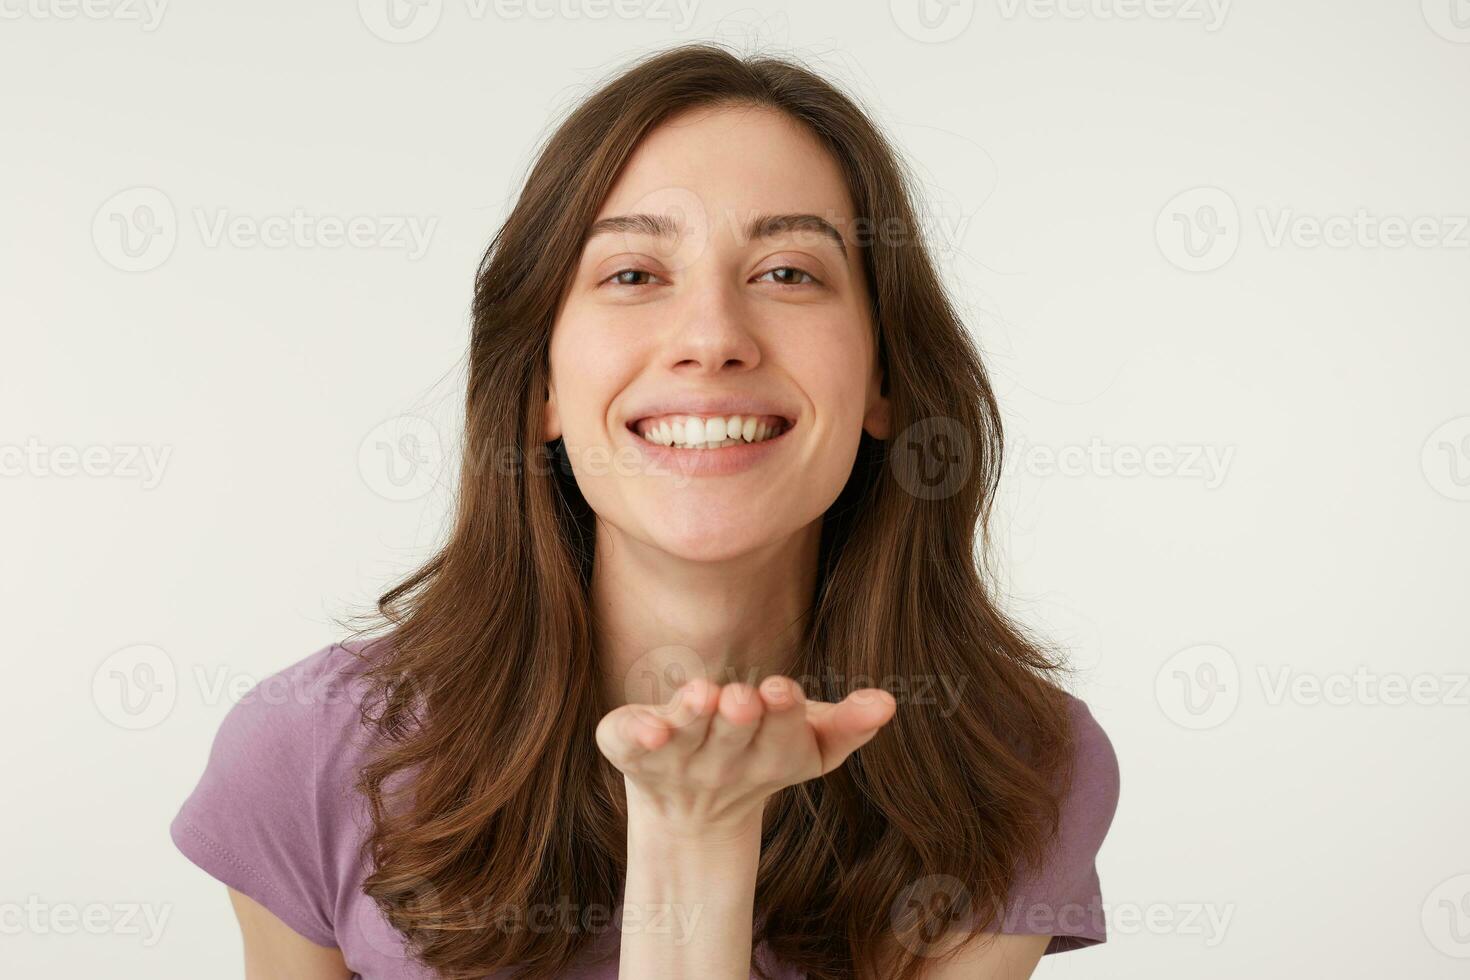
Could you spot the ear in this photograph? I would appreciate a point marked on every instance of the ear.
(550, 418)
(878, 416)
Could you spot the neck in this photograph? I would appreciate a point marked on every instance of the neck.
(661, 620)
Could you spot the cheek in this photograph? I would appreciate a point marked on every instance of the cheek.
(588, 368)
(593, 335)
(834, 375)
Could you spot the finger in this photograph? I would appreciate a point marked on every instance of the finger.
(785, 720)
(627, 734)
(781, 693)
(847, 726)
(736, 720)
(688, 713)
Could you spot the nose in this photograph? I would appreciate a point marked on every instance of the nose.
(712, 327)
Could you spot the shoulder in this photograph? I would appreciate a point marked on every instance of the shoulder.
(1096, 779)
(1063, 897)
(319, 695)
(273, 806)
(290, 722)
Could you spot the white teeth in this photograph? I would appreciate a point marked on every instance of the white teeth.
(698, 433)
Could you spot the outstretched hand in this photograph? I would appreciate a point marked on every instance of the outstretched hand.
(704, 763)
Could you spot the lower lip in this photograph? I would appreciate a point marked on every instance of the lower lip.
(724, 461)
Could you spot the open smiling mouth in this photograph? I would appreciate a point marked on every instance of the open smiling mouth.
(709, 432)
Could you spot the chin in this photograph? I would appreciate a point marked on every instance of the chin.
(718, 540)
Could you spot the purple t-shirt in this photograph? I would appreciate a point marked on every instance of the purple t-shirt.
(275, 816)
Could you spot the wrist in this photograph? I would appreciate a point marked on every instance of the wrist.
(654, 828)
(659, 833)
(689, 896)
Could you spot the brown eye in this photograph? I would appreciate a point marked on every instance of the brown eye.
(620, 274)
(787, 280)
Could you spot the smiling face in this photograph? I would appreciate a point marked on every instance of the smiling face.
(721, 277)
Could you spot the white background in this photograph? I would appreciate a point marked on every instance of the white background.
(1262, 831)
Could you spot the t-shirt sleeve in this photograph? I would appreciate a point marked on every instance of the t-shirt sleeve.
(252, 820)
(1064, 898)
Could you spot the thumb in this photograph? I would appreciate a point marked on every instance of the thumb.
(845, 727)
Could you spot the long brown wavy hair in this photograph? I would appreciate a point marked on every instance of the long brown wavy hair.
(488, 793)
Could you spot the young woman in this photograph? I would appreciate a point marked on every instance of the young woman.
(706, 681)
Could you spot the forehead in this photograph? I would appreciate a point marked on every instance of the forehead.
(736, 161)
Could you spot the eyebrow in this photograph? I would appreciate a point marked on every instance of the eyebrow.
(760, 226)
